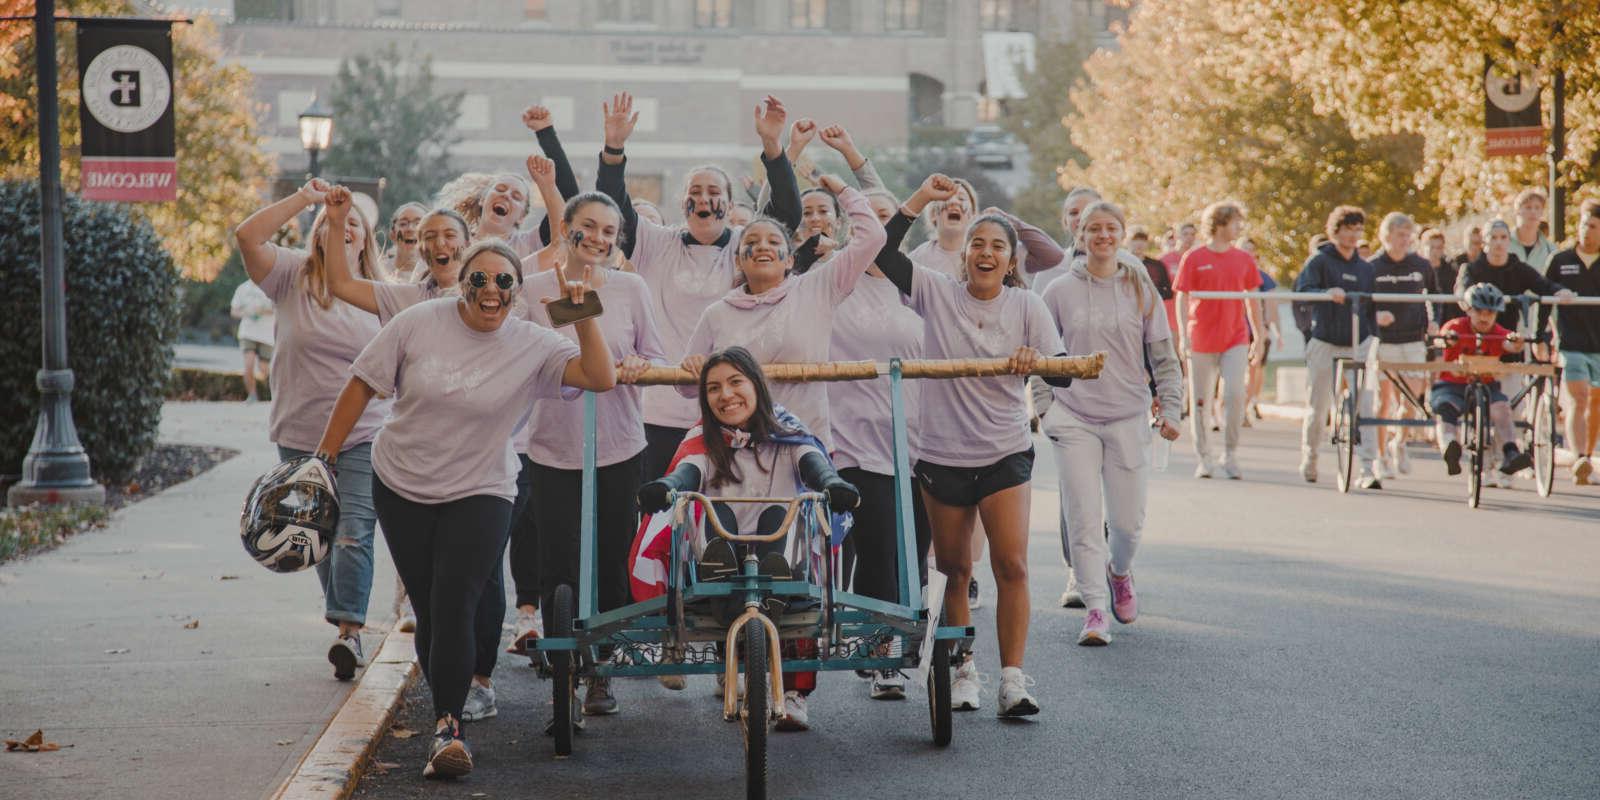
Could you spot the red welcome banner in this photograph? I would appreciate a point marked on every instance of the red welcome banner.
(130, 180)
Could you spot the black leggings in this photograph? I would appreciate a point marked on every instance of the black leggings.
(491, 613)
(444, 554)
(661, 443)
(524, 541)
(874, 535)
(556, 508)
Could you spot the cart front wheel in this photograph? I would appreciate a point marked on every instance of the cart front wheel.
(939, 694)
(563, 691)
(757, 709)
(1544, 442)
(1344, 437)
(1477, 433)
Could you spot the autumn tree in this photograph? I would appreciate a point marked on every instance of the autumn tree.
(222, 170)
(1036, 121)
(393, 123)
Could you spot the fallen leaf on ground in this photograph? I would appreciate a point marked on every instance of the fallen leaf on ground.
(384, 766)
(192, 624)
(402, 733)
(32, 744)
(117, 651)
(285, 741)
(228, 578)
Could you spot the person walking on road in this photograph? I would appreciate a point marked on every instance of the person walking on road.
(1402, 329)
(253, 309)
(1578, 334)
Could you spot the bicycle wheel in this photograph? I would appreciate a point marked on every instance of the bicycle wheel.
(1344, 434)
(562, 689)
(757, 709)
(1477, 433)
(1543, 446)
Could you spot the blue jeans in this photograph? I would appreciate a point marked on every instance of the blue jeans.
(346, 574)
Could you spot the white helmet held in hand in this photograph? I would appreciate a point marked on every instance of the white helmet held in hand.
(291, 515)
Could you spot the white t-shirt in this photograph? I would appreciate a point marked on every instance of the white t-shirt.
(255, 310)
(460, 396)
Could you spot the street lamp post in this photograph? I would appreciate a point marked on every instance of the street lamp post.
(56, 469)
(316, 130)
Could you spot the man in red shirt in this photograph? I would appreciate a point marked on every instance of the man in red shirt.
(1218, 336)
(1476, 334)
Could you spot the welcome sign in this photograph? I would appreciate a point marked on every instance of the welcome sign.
(129, 151)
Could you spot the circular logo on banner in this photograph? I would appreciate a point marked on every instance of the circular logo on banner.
(1511, 93)
(126, 88)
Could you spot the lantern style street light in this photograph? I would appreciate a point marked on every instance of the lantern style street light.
(316, 130)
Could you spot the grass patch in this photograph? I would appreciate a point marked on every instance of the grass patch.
(35, 528)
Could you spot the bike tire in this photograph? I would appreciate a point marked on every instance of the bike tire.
(1543, 445)
(1477, 432)
(563, 692)
(1344, 439)
(757, 709)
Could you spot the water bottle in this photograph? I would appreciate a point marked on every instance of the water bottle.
(1160, 450)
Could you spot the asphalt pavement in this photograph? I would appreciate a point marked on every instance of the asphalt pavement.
(1293, 642)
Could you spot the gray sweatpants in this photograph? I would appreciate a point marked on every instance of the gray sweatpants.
(1203, 368)
(1320, 358)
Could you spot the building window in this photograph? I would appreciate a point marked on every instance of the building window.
(902, 15)
(1008, 15)
(713, 13)
(535, 11)
(632, 12)
(808, 14)
(388, 9)
(264, 10)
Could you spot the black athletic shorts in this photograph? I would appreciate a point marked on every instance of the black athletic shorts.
(965, 486)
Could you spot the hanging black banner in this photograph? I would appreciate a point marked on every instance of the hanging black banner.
(129, 142)
(1511, 122)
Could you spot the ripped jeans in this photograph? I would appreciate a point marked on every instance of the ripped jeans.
(346, 574)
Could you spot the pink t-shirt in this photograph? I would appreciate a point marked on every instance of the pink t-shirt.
(684, 279)
(1216, 326)
(554, 435)
(311, 358)
(796, 324)
(460, 397)
(974, 422)
(873, 324)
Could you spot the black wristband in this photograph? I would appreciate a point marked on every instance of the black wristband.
(613, 151)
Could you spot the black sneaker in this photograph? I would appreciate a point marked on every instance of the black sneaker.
(1514, 460)
(345, 655)
(448, 756)
(598, 699)
(1452, 458)
(717, 561)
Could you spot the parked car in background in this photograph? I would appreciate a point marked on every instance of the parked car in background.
(991, 146)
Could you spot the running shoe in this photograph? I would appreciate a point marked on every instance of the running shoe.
(974, 600)
(1401, 457)
(1124, 605)
(1308, 470)
(888, 684)
(1015, 701)
(965, 683)
(345, 655)
(1072, 598)
(530, 628)
(1230, 468)
(1096, 631)
(480, 703)
(408, 620)
(1203, 469)
(676, 683)
(598, 700)
(448, 755)
(1514, 460)
(794, 719)
(1452, 457)
(721, 681)
(1581, 470)
(1380, 469)
(1369, 480)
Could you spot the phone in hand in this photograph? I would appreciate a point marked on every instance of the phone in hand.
(564, 312)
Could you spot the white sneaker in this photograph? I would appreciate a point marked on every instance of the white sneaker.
(1072, 598)
(480, 703)
(530, 628)
(1369, 480)
(1014, 698)
(1401, 457)
(345, 655)
(888, 684)
(1308, 470)
(1230, 468)
(1581, 470)
(794, 717)
(965, 682)
(1380, 469)
(1203, 469)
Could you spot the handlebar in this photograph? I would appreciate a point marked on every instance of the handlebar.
(681, 500)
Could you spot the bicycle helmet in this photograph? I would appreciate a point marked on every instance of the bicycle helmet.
(291, 515)
(1486, 296)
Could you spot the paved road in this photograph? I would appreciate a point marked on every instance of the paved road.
(1294, 643)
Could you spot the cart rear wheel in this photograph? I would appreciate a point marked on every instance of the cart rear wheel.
(1544, 441)
(757, 709)
(1477, 433)
(939, 694)
(1344, 437)
(563, 690)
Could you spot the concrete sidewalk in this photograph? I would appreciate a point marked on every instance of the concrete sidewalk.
(224, 710)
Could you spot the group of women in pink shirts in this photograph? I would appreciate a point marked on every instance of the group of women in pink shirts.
(448, 402)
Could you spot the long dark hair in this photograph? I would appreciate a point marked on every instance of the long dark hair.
(1011, 278)
(763, 424)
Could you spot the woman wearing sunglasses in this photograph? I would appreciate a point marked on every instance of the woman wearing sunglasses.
(463, 377)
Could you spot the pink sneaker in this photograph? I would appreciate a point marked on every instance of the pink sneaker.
(1096, 631)
(1124, 606)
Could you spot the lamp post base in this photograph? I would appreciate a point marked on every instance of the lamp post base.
(56, 469)
(22, 494)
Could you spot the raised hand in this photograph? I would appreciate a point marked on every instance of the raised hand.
(832, 183)
(537, 118)
(543, 171)
(836, 137)
(315, 190)
(337, 201)
(619, 119)
(938, 187)
(770, 118)
(800, 134)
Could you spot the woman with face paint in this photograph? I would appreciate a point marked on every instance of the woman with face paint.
(1101, 430)
(975, 455)
(688, 267)
(401, 258)
(553, 439)
(784, 318)
(316, 339)
(464, 374)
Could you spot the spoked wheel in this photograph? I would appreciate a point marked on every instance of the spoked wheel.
(1477, 433)
(757, 709)
(1344, 438)
(1544, 442)
(562, 666)
(939, 695)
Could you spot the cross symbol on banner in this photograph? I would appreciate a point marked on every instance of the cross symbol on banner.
(126, 86)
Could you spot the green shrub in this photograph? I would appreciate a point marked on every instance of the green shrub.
(41, 527)
(122, 314)
(189, 384)
(205, 316)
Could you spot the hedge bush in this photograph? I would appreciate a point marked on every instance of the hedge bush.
(191, 384)
(122, 318)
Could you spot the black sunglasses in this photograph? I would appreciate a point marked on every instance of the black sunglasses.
(504, 280)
